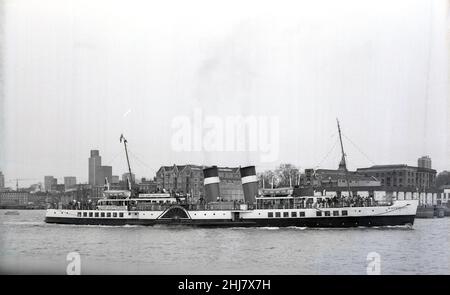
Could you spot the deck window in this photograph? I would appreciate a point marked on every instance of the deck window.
(344, 213)
(285, 214)
(102, 214)
(79, 214)
(96, 214)
(302, 214)
(90, 214)
(327, 213)
(293, 214)
(335, 213)
(270, 214)
(121, 214)
(114, 214)
(318, 213)
(277, 214)
(84, 214)
(108, 214)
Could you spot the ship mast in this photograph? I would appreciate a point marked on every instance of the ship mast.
(128, 160)
(343, 164)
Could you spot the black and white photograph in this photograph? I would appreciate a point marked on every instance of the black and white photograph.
(224, 138)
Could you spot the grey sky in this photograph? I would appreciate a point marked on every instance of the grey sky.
(77, 74)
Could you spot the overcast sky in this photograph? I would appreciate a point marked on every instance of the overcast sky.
(77, 74)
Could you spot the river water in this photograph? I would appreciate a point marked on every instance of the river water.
(30, 246)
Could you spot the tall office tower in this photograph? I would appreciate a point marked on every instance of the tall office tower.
(49, 183)
(95, 161)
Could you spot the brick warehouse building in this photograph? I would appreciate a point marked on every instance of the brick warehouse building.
(189, 179)
(402, 176)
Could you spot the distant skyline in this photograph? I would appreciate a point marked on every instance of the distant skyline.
(77, 74)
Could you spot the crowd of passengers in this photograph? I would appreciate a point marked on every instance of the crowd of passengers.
(73, 205)
(352, 201)
(335, 202)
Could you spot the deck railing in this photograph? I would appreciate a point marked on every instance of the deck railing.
(238, 206)
(231, 206)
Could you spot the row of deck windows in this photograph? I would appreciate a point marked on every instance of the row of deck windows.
(302, 213)
(99, 214)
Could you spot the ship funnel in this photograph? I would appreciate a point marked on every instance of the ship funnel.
(211, 182)
(249, 183)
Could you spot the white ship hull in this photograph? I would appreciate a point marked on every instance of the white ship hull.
(400, 213)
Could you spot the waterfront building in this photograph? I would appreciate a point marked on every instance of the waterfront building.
(181, 178)
(14, 199)
(69, 182)
(147, 186)
(50, 183)
(189, 179)
(419, 178)
(37, 200)
(58, 187)
(341, 177)
(2, 180)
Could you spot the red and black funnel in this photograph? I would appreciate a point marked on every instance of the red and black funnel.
(211, 182)
(249, 183)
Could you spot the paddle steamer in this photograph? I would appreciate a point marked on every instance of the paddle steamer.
(280, 207)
